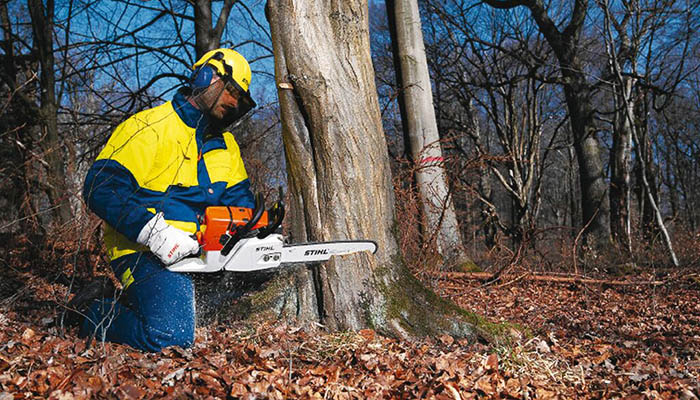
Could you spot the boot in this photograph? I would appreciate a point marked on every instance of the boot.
(76, 308)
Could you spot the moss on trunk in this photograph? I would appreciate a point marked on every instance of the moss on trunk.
(413, 310)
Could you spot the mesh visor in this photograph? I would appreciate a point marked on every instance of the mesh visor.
(245, 101)
(244, 98)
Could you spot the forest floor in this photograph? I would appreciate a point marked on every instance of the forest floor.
(581, 340)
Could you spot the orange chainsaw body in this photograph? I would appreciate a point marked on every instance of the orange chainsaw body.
(219, 219)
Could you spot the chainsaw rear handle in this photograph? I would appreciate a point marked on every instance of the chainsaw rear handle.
(241, 231)
(275, 215)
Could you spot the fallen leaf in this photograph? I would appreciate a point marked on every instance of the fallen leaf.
(28, 334)
(238, 390)
(129, 391)
(484, 384)
(545, 394)
(492, 362)
(59, 395)
(367, 334)
(542, 347)
(513, 388)
(447, 340)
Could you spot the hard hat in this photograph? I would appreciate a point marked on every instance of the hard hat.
(229, 64)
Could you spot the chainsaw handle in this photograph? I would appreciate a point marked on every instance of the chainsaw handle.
(257, 214)
(241, 231)
(275, 214)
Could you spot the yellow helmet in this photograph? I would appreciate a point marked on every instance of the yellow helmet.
(228, 64)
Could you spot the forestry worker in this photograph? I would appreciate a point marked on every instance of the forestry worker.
(151, 183)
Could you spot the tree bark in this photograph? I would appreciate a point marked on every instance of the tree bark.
(595, 204)
(420, 125)
(340, 186)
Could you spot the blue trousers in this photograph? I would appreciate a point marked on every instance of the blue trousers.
(156, 310)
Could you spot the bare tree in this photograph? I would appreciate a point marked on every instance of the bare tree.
(35, 164)
(16, 144)
(42, 27)
(208, 37)
(664, 29)
(566, 42)
(503, 80)
(421, 131)
(626, 28)
(626, 118)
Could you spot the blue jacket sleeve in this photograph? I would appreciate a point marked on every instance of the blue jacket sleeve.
(239, 195)
(112, 193)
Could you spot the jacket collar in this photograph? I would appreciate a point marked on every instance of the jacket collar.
(188, 113)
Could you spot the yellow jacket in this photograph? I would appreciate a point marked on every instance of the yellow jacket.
(164, 159)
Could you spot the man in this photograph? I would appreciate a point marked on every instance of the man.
(151, 183)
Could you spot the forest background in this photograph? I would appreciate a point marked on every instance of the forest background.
(570, 143)
(518, 173)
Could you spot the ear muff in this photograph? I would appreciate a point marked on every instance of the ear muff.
(201, 77)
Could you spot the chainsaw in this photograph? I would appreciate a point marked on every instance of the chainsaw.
(243, 240)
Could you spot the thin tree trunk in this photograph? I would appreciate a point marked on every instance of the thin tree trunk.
(21, 109)
(52, 150)
(656, 212)
(488, 225)
(628, 107)
(620, 165)
(644, 171)
(571, 194)
(420, 125)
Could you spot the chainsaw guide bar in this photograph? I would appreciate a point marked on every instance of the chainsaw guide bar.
(254, 254)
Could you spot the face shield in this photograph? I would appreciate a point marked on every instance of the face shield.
(216, 100)
(245, 101)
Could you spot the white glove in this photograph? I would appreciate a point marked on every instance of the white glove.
(165, 241)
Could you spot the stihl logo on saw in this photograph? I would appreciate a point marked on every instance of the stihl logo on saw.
(315, 252)
(243, 240)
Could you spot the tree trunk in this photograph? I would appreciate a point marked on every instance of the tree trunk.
(52, 150)
(489, 227)
(420, 125)
(15, 140)
(644, 170)
(595, 204)
(340, 182)
(620, 164)
(574, 210)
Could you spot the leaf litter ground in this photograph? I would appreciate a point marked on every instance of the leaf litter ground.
(583, 341)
